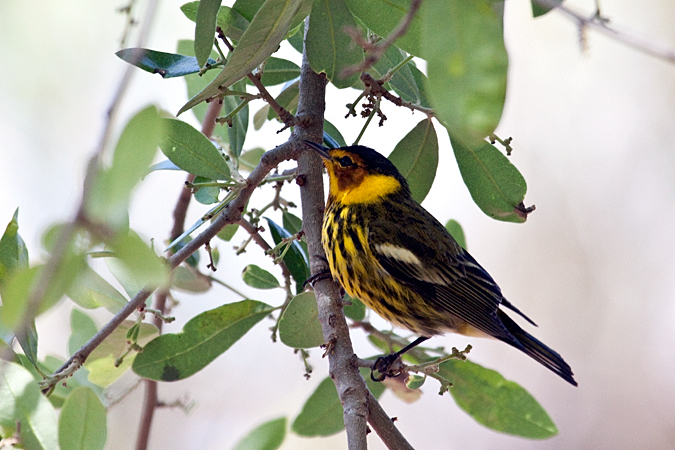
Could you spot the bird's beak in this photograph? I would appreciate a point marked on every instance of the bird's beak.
(320, 149)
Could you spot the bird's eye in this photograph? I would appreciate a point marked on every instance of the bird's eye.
(346, 161)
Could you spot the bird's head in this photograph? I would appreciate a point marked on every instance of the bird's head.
(359, 174)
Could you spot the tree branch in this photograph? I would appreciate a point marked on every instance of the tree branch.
(597, 23)
(231, 214)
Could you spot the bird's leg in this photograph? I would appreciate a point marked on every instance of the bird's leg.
(383, 363)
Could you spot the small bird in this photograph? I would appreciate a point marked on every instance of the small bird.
(392, 254)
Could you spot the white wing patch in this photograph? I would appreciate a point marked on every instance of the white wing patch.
(399, 253)
(415, 267)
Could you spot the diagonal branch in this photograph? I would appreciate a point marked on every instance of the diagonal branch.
(231, 214)
(651, 48)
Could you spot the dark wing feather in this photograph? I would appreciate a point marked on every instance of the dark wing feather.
(441, 271)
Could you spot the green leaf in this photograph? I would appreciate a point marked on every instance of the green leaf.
(230, 21)
(496, 402)
(189, 279)
(251, 158)
(143, 266)
(279, 71)
(299, 325)
(333, 132)
(82, 329)
(382, 16)
(260, 117)
(248, 8)
(83, 422)
(168, 65)
(205, 29)
(173, 357)
(29, 343)
(13, 251)
(329, 48)
(456, 231)
(190, 150)
(90, 291)
(237, 132)
(287, 99)
(206, 195)
(297, 41)
(495, 184)
(466, 65)
(101, 362)
(259, 278)
(268, 436)
(291, 222)
(422, 81)
(402, 82)
(133, 155)
(295, 258)
(196, 84)
(355, 311)
(227, 233)
(539, 10)
(163, 165)
(22, 401)
(415, 381)
(416, 157)
(322, 413)
(262, 37)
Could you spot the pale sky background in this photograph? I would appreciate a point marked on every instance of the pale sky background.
(594, 134)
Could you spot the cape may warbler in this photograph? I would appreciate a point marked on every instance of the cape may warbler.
(389, 252)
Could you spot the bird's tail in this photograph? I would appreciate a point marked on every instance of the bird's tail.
(537, 349)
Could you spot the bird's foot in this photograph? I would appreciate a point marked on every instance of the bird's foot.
(383, 365)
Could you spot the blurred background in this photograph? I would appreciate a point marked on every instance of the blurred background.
(593, 123)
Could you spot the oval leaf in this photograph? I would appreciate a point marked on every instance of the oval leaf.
(466, 64)
(299, 326)
(90, 290)
(168, 65)
(496, 402)
(230, 21)
(262, 37)
(13, 251)
(322, 413)
(237, 132)
(495, 184)
(259, 278)
(416, 157)
(268, 436)
(279, 71)
(329, 48)
(457, 232)
(355, 311)
(21, 400)
(172, 357)
(190, 150)
(82, 329)
(205, 29)
(83, 422)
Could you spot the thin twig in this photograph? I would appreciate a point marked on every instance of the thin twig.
(376, 88)
(597, 23)
(375, 52)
